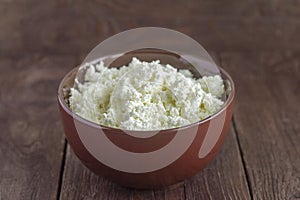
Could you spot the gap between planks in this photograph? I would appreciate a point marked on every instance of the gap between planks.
(240, 150)
(64, 156)
(242, 156)
(62, 169)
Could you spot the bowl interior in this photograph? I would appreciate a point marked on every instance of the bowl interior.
(148, 55)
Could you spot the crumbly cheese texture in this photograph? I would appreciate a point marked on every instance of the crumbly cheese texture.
(145, 96)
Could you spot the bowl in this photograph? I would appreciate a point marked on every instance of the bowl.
(146, 159)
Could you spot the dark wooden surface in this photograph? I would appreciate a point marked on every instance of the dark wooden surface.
(267, 119)
(256, 41)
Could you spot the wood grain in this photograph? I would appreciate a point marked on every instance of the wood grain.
(31, 139)
(80, 183)
(224, 178)
(267, 120)
(77, 26)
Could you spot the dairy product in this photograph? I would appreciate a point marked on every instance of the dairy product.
(145, 96)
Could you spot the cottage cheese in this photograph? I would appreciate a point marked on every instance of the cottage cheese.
(145, 96)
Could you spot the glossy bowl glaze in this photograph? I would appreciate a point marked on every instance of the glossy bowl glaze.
(145, 159)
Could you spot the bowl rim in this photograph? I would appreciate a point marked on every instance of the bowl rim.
(75, 116)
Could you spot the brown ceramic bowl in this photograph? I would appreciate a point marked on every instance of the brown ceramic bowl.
(146, 159)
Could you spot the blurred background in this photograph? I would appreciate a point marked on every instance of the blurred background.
(76, 26)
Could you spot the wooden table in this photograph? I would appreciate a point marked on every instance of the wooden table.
(256, 42)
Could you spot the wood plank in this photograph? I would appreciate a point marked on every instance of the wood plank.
(279, 8)
(80, 25)
(31, 139)
(174, 192)
(224, 178)
(267, 120)
(80, 183)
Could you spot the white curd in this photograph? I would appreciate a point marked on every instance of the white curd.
(145, 96)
